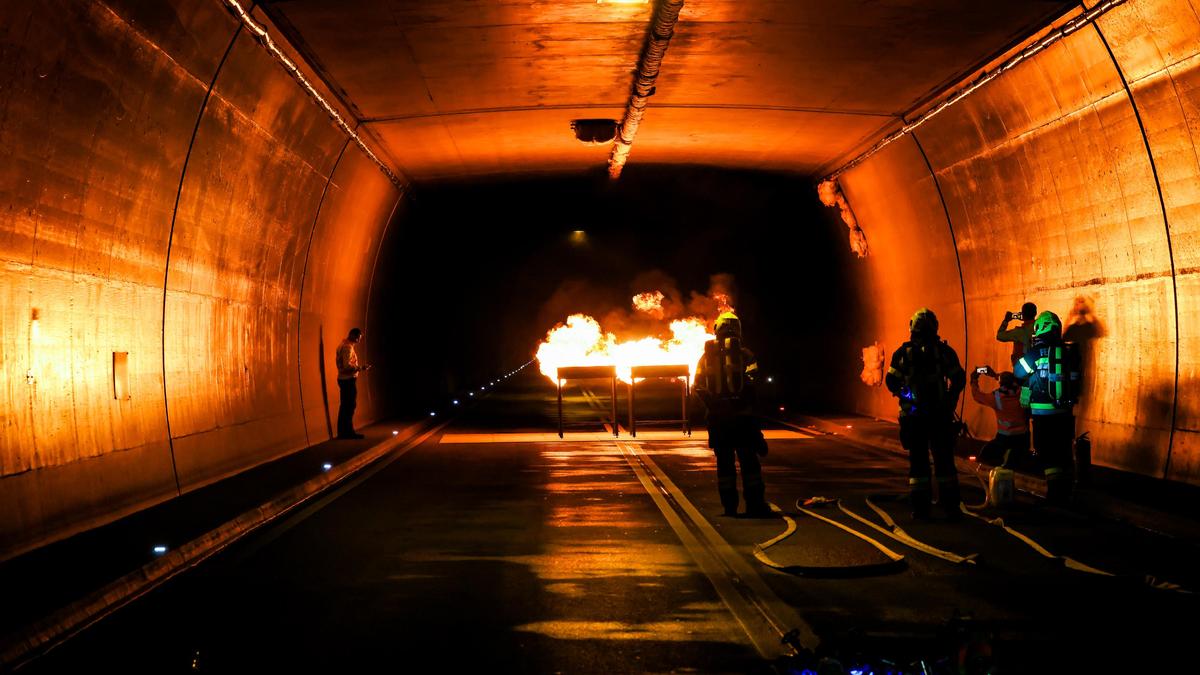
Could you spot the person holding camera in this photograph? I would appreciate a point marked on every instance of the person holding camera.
(1011, 444)
(725, 379)
(1020, 335)
(928, 378)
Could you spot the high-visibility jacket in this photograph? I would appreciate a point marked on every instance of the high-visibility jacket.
(927, 378)
(1011, 418)
(1052, 378)
(1020, 336)
(725, 377)
(347, 361)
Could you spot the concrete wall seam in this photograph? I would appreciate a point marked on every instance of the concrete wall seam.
(170, 240)
(304, 274)
(957, 259)
(374, 267)
(1170, 248)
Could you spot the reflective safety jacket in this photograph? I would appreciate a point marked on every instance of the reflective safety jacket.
(725, 377)
(1011, 418)
(1052, 378)
(347, 361)
(927, 378)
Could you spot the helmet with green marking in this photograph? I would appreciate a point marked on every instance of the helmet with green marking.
(924, 324)
(1047, 327)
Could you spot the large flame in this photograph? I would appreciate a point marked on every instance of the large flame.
(650, 303)
(581, 342)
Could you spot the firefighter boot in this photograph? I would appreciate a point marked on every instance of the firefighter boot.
(727, 488)
(949, 497)
(921, 496)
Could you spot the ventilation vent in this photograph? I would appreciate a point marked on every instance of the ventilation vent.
(121, 376)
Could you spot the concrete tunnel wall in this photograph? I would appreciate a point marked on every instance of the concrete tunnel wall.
(170, 192)
(1073, 180)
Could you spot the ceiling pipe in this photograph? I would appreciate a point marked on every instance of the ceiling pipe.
(666, 15)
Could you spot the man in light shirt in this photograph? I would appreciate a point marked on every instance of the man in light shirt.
(348, 369)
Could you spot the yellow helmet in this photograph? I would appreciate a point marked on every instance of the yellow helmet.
(924, 322)
(728, 325)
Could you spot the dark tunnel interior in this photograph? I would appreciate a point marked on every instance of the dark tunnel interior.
(447, 323)
(200, 199)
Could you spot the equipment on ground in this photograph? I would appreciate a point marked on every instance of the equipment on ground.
(1001, 487)
(1083, 458)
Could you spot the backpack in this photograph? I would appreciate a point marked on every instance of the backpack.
(925, 373)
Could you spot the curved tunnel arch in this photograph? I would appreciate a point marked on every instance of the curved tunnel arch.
(1070, 176)
(1054, 174)
(183, 201)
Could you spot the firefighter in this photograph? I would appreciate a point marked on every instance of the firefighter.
(1050, 373)
(1011, 445)
(725, 379)
(927, 378)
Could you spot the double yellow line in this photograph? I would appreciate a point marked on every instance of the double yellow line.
(771, 625)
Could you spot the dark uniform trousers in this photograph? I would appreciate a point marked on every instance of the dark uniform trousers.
(922, 435)
(1007, 450)
(349, 401)
(1052, 438)
(737, 436)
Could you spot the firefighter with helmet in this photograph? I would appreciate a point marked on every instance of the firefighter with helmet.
(1051, 374)
(725, 379)
(926, 376)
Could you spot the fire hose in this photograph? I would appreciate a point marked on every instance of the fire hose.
(894, 563)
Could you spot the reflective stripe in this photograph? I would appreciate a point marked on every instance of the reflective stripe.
(1043, 406)
(918, 481)
(1015, 432)
(1052, 471)
(1025, 366)
(893, 371)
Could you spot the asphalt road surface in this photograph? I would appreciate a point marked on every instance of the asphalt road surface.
(495, 547)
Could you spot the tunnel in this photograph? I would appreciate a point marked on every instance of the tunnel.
(199, 199)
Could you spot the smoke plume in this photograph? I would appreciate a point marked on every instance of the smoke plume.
(872, 372)
(831, 195)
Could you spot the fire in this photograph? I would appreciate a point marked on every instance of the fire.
(581, 342)
(650, 303)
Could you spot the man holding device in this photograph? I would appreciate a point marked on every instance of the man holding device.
(1020, 335)
(1011, 444)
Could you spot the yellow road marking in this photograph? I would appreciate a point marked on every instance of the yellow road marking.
(760, 612)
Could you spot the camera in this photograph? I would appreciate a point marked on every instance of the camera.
(982, 370)
(1016, 316)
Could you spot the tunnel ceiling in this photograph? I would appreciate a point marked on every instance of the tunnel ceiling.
(462, 88)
